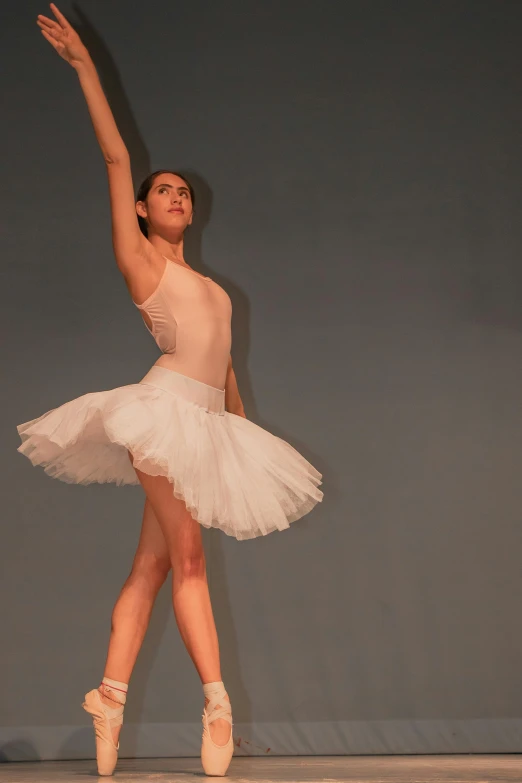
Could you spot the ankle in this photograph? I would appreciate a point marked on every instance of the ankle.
(213, 689)
(113, 692)
(223, 698)
(217, 701)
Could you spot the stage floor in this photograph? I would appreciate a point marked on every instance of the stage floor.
(349, 769)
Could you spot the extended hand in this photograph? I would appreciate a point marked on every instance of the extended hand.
(63, 37)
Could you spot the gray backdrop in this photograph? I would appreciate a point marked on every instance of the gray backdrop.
(358, 168)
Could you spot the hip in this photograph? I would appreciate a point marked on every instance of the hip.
(190, 389)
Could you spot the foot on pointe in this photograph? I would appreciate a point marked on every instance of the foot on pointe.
(106, 708)
(217, 745)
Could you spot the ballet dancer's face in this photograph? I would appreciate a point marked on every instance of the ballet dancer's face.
(168, 206)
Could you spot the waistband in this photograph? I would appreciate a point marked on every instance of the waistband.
(208, 397)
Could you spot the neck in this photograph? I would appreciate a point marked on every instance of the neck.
(172, 250)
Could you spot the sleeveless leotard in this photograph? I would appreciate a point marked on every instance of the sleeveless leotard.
(191, 323)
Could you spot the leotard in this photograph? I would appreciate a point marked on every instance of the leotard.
(190, 318)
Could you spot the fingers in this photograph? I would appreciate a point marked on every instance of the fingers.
(51, 40)
(48, 24)
(51, 28)
(61, 18)
(41, 19)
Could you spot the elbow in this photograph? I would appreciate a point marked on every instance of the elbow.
(117, 157)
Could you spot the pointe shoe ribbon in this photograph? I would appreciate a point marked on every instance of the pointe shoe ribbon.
(216, 758)
(104, 718)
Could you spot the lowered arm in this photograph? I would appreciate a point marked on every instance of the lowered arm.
(233, 403)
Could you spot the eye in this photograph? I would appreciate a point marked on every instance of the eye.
(162, 190)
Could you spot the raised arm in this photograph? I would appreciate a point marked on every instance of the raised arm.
(131, 247)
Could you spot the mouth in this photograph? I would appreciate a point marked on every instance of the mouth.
(176, 209)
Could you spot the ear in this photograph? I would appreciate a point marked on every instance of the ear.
(191, 216)
(141, 209)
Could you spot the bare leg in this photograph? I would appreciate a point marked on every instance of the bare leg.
(131, 614)
(190, 594)
(132, 611)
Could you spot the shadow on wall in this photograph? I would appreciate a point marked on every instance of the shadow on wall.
(18, 750)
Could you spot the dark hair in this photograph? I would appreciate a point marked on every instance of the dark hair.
(146, 185)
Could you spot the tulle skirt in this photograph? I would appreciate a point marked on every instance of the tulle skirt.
(231, 473)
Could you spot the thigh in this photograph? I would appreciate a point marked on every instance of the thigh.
(180, 532)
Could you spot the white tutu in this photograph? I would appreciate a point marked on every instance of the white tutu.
(231, 473)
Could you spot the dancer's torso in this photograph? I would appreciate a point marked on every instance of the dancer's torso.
(190, 317)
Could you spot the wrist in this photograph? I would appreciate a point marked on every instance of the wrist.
(84, 65)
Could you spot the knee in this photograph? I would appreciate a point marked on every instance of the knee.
(190, 566)
(151, 570)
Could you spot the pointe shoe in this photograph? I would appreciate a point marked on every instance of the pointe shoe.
(216, 758)
(104, 719)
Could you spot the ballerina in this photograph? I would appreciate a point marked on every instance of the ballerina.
(181, 432)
